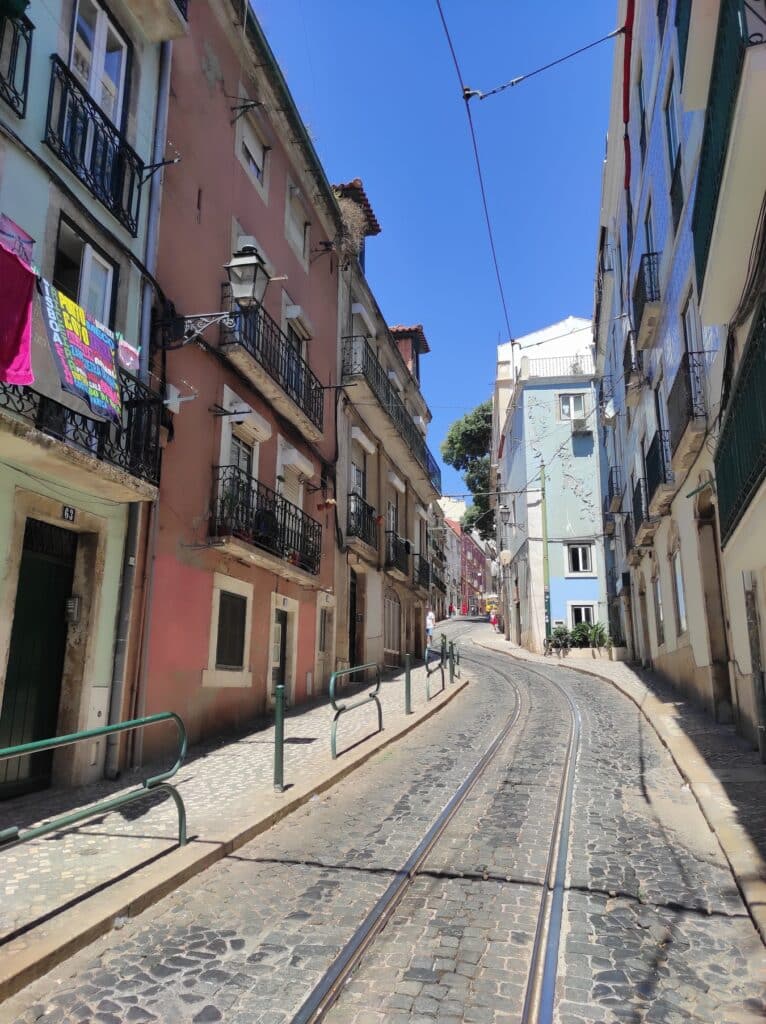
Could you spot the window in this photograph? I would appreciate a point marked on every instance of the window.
(678, 592)
(359, 477)
(241, 455)
(83, 274)
(671, 124)
(324, 629)
(658, 613)
(662, 13)
(690, 322)
(230, 627)
(232, 615)
(648, 229)
(99, 58)
(579, 558)
(572, 407)
(581, 613)
(297, 225)
(642, 112)
(253, 153)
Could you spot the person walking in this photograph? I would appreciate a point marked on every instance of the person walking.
(430, 623)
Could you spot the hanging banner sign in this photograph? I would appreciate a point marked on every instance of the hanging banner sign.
(84, 352)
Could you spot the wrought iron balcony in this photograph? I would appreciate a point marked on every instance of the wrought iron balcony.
(421, 572)
(15, 55)
(686, 401)
(645, 293)
(659, 473)
(437, 579)
(245, 508)
(614, 489)
(397, 553)
(740, 459)
(732, 41)
(677, 191)
(262, 337)
(360, 360)
(362, 521)
(87, 142)
(633, 369)
(640, 512)
(132, 445)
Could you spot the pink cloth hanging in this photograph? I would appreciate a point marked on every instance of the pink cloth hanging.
(17, 288)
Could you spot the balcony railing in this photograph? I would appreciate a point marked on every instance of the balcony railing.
(245, 508)
(437, 579)
(15, 55)
(628, 534)
(132, 445)
(421, 572)
(397, 555)
(84, 139)
(658, 469)
(740, 459)
(640, 510)
(262, 337)
(562, 366)
(731, 43)
(647, 287)
(360, 360)
(677, 191)
(614, 489)
(362, 521)
(686, 401)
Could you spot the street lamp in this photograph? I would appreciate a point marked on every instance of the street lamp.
(248, 280)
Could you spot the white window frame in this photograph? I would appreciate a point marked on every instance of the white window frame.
(571, 605)
(213, 676)
(253, 431)
(679, 593)
(571, 396)
(659, 614)
(581, 546)
(88, 258)
(98, 57)
(298, 236)
(247, 135)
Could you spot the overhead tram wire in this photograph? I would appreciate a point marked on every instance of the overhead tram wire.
(468, 94)
(478, 169)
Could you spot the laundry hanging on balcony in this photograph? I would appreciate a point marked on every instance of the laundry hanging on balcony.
(16, 319)
(84, 353)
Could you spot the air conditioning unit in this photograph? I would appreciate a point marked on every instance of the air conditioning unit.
(581, 426)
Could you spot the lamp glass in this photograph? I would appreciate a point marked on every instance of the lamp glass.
(248, 277)
(505, 514)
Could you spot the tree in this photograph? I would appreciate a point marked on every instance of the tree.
(466, 448)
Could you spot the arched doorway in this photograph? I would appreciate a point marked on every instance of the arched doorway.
(707, 538)
(392, 628)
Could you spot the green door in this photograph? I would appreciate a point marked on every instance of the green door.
(36, 657)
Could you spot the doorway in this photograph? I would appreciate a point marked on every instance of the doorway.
(643, 614)
(392, 625)
(352, 612)
(707, 535)
(30, 707)
(279, 650)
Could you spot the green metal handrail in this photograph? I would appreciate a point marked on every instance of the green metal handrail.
(14, 837)
(442, 652)
(341, 709)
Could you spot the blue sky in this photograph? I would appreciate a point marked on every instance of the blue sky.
(376, 86)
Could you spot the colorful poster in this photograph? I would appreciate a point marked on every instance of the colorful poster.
(84, 351)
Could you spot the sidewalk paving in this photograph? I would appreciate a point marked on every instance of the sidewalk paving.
(723, 772)
(60, 891)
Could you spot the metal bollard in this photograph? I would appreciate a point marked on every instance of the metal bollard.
(444, 648)
(451, 662)
(279, 739)
(408, 684)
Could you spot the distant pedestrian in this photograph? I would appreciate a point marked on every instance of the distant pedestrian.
(430, 623)
(451, 610)
(493, 620)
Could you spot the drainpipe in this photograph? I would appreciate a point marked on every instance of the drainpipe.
(546, 566)
(111, 768)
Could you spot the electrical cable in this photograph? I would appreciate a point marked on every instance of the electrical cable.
(482, 187)
(468, 94)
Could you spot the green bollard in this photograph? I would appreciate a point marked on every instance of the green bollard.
(451, 662)
(279, 739)
(444, 647)
(408, 683)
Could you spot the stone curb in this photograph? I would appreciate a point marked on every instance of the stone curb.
(742, 855)
(26, 959)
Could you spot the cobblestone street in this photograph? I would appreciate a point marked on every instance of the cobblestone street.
(654, 927)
